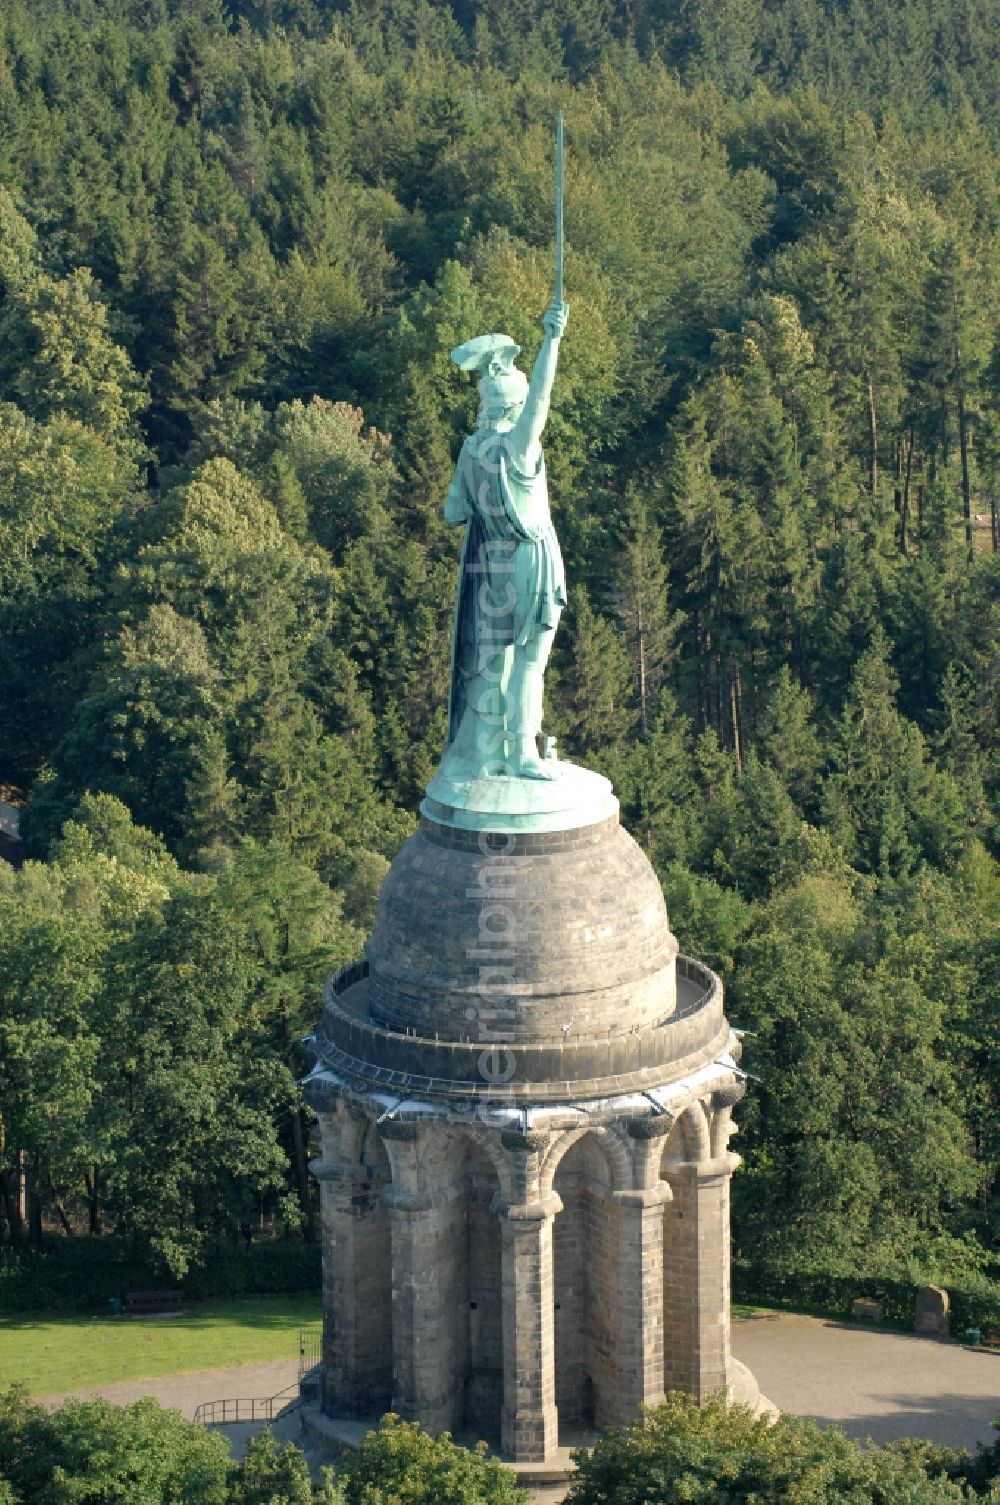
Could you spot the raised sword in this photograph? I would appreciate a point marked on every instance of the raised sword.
(557, 293)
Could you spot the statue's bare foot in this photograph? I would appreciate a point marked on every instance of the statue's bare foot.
(527, 766)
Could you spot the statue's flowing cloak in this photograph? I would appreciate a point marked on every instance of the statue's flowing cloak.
(511, 583)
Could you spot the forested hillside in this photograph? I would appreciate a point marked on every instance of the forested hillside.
(237, 242)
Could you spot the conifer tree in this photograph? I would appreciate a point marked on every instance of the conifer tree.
(641, 601)
(596, 689)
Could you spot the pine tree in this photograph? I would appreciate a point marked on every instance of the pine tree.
(884, 800)
(19, 252)
(596, 705)
(641, 601)
(787, 737)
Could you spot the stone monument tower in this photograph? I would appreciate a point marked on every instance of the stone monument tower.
(524, 1092)
(525, 1098)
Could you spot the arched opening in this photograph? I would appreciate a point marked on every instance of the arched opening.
(446, 1323)
(585, 1257)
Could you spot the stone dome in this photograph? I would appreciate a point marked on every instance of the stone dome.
(553, 936)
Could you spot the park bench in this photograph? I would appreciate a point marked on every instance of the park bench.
(867, 1309)
(148, 1303)
(991, 1337)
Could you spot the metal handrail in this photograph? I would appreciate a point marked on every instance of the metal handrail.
(348, 976)
(213, 1413)
(310, 1349)
(221, 1413)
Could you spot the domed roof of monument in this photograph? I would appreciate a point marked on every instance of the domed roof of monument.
(538, 936)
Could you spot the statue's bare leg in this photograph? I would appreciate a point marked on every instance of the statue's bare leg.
(525, 691)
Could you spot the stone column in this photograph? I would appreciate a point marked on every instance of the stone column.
(428, 1295)
(697, 1275)
(530, 1421)
(530, 1426)
(640, 1274)
(357, 1356)
(423, 1381)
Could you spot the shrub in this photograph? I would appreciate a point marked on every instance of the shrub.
(400, 1464)
(92, 1450)
(975, 1299)
(726, 1453)
(79, 1274)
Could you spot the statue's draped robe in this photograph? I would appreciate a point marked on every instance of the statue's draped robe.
(511, 585)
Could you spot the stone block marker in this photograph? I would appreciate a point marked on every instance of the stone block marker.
(932, 1312)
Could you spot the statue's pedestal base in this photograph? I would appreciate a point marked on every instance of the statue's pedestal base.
(575, 797)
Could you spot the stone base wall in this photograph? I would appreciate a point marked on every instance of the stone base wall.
(498, 1281)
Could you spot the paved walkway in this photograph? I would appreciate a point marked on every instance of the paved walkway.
(883, 1385)
(184, 1392)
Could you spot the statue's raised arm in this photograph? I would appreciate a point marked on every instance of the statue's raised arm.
(526, 435)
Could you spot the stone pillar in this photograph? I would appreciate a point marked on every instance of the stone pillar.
(640, 1274)
(357, 1355)
(530, 1421)
(530, 1426)
(697, 1275)
(429, 1300)
(422, 1360)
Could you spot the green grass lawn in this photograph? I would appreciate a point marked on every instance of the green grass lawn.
(743, 1309)
(53, 1354)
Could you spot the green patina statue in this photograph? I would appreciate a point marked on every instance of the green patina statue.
(496, 772)
(512, 587)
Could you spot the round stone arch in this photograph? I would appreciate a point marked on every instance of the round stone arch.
(487, 1142)
(690, 1135)
(610, 1144)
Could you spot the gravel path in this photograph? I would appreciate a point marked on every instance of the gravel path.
(883, 1385)
(186, 1391)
